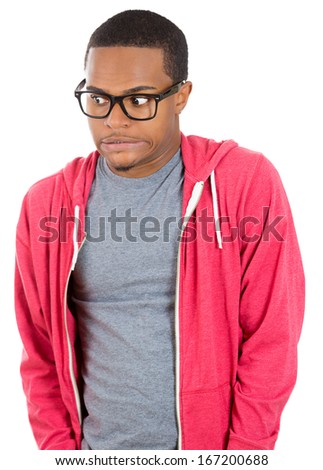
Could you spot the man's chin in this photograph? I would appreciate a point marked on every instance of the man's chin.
(123, 169)
(119, 165)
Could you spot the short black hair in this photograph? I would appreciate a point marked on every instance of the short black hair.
(143, 28)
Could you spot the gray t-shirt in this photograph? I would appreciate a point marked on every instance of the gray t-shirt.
(124, 290)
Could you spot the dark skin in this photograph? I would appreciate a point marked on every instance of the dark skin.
(135, 149)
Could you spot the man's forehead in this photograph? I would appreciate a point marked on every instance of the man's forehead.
(125, 67)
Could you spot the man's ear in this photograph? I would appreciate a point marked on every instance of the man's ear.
(182, 96)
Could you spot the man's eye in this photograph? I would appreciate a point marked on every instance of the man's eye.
(99, 100)
(139, 100)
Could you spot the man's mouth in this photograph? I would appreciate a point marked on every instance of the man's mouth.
(120, 144)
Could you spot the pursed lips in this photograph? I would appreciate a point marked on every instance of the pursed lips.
(120, 143)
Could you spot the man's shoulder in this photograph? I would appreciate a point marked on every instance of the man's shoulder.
(65, 177)
(45, 183)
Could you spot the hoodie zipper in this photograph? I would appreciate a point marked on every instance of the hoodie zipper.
(191, 206)
(70, 355)
(68, 339)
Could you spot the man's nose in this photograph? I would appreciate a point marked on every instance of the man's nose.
(116, 118)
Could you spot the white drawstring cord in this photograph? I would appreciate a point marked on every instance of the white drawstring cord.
(75, 232)
(216, 210)
(192, 203)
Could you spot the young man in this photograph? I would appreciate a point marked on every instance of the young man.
(159, 286)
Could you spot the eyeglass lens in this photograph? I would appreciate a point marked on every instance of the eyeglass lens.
(136, 106)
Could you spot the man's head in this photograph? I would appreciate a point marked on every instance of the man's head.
(136, 53)
(142, 28)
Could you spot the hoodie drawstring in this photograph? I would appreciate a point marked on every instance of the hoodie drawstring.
(75, 232)
(192, 203)
(216, 210)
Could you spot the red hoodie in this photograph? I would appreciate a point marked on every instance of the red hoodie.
(239, 300)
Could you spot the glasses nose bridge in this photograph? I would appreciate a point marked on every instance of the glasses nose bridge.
(116, 100)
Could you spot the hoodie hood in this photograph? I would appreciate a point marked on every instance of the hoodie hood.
(78, 177)
(201, 156)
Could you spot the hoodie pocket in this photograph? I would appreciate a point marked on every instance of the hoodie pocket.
(206, 418)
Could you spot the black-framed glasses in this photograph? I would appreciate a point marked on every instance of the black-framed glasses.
(137, 106)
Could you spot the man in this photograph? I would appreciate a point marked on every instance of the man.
(159, 286)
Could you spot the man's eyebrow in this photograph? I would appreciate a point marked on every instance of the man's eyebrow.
(136, 89)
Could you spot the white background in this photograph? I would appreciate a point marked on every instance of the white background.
(256, 68)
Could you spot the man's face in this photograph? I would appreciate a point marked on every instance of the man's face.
(132, 148)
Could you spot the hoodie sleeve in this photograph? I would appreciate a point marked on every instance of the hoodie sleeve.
(271, 311)
(48, 415)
